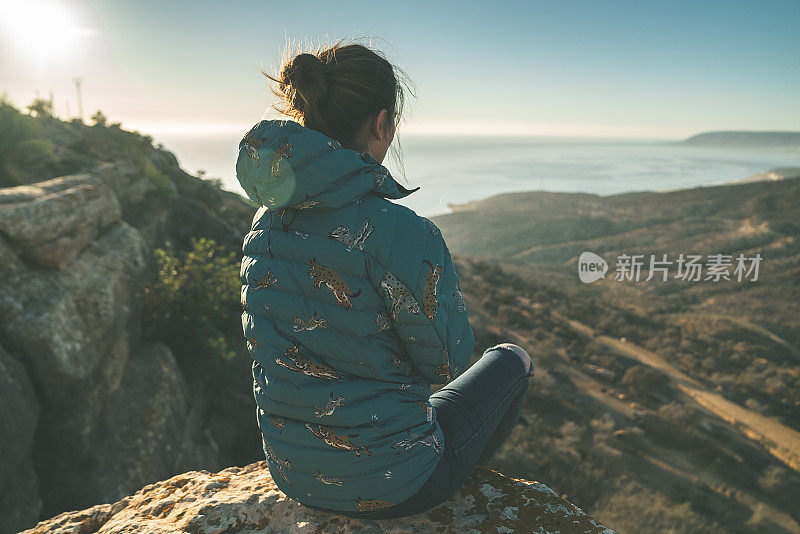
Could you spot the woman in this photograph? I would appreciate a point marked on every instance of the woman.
(353, 308)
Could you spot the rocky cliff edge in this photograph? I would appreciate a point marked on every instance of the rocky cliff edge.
(246, 500)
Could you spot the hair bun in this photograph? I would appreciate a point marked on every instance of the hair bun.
(305, 74)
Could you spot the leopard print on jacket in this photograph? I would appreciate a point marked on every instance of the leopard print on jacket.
(429, 301)
(325, 275)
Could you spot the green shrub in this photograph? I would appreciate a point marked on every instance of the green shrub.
(192, 308)
(99, 118)
(147, 168)
(679, 415)
(636, 508)
(774, 479)
(23, 145)
(643, 381)
(108, 143)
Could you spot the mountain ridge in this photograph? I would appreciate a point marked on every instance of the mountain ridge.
(745, 138)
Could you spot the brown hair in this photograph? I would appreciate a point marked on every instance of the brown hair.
(335, 89)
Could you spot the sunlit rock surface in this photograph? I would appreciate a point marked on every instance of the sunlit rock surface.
(245, 500)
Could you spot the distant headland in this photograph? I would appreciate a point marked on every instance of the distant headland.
(745, 139)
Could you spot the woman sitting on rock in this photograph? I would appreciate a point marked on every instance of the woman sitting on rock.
(352, 307)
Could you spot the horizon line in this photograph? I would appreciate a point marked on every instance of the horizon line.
(463, 130)
(190, 128)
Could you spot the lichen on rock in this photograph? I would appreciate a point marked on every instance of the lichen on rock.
(246, 500)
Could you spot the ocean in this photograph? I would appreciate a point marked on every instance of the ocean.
(460, 169)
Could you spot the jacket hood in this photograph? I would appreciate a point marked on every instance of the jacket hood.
(284, 164)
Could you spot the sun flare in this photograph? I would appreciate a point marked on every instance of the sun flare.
(45, 30)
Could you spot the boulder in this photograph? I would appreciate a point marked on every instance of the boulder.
(115, 414)
(131, 187)
(146, 430)
(70, 327)
(19, 491)
(51, 222)
(246, 500)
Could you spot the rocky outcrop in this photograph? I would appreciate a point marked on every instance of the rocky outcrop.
(19, 413)
(91, 411)
(51, 222)
(246, 500)
(145, 429)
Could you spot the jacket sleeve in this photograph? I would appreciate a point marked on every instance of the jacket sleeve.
(423, 298)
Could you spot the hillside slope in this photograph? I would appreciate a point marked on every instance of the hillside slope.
(740, 334)
(675, 392)
(615, 432)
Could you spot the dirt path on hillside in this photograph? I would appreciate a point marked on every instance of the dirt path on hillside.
(753, 327)
(623, 412)
(780, 440)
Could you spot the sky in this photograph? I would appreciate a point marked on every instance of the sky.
(654, 69)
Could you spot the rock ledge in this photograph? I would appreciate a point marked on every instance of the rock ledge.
(246, 500)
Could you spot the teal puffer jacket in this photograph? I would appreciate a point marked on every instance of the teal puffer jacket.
(351, 309)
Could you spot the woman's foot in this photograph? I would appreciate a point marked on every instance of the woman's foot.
(523, 355)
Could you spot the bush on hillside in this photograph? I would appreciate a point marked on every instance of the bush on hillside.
(106, 143)
(644, 382)
(191, 305)
(23, 145)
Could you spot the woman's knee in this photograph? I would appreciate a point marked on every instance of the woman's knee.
(522, 353)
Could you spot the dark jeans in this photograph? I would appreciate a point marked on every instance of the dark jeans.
(477, 412)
